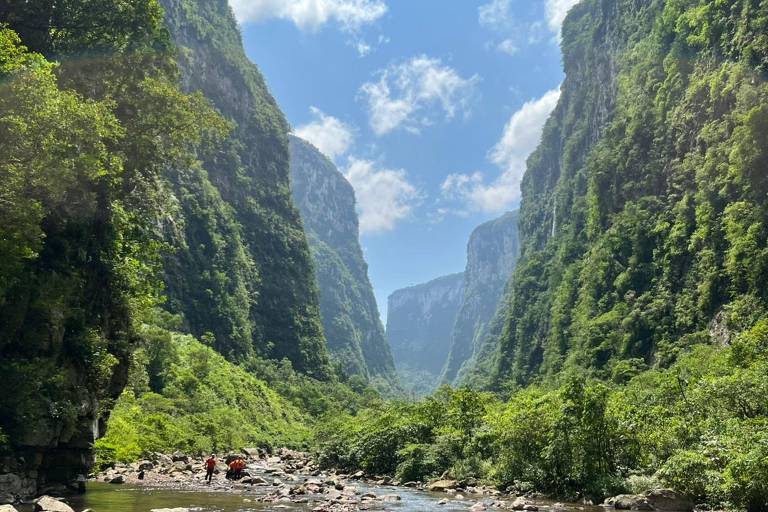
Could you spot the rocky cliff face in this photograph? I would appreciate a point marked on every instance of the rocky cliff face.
(348, 307)
(242, 270)
(643, 210)
(492, 253)
(419, 324)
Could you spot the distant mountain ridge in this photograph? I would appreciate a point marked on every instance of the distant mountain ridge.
(348, 307)
(492, 253)
(419, 323)
(440, 328)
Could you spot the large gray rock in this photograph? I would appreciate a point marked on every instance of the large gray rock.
(660, 500)
(629, 502)
(8, 508)
(667, 500)
(442, 485)
(420, 320)
(492, 253)
(49, 504)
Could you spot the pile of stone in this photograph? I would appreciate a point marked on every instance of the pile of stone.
(44, 504)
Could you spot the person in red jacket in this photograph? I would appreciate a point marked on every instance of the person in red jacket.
(210, 465)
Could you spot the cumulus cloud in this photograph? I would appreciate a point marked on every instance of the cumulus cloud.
(329, 134)
(384, 196)
(520, 137)
(311, 14)
(407, 94)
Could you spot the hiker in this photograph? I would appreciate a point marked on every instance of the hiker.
(236, 468)
(210, 465)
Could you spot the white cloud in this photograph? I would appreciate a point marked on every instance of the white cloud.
(521, 136)
(330, 135)
(508, 46)
(556, 10)
(384, 196)
(496, 14)
(405, 93)
(311, 14)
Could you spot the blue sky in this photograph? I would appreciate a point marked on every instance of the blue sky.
(429, 107)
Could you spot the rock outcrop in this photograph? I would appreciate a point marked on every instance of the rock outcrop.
(492, 253)
(419, 324)
(348, 307)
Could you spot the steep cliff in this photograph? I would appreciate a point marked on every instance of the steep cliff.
(643, 215)
(348, 307)
(242, 269)
(419, 323)
(492, 253)
(89, 124)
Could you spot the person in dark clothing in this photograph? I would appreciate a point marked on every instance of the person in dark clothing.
(210, 466)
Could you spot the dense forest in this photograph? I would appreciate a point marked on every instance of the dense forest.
(159, 292)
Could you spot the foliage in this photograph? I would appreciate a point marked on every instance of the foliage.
(698, 427)
(412, 440)
(86, 139)
(643, 211)
(184, 396)
(241, 268)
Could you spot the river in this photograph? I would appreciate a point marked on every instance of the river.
(103, 497)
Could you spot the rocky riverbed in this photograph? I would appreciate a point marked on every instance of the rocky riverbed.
(289, 477)
(291, 480)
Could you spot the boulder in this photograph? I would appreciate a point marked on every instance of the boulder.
(253, 453)
(254, 480)
(180, 457)
(442, 485)
(478, 507)
(629, 502)
(667, 500)
(49, 504)
(146, 465)
(390, 498)
(8, 508)
(119, 479)
(522, 503)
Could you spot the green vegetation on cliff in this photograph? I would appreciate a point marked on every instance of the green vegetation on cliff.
(651, 176)
(348, 307)
(241, 269)
(85, 142)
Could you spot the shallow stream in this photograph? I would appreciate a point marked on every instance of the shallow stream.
(103, 497)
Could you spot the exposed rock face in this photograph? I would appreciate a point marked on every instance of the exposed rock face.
(348, 307)
(419, 324)
(243, 269)
(492, 253)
